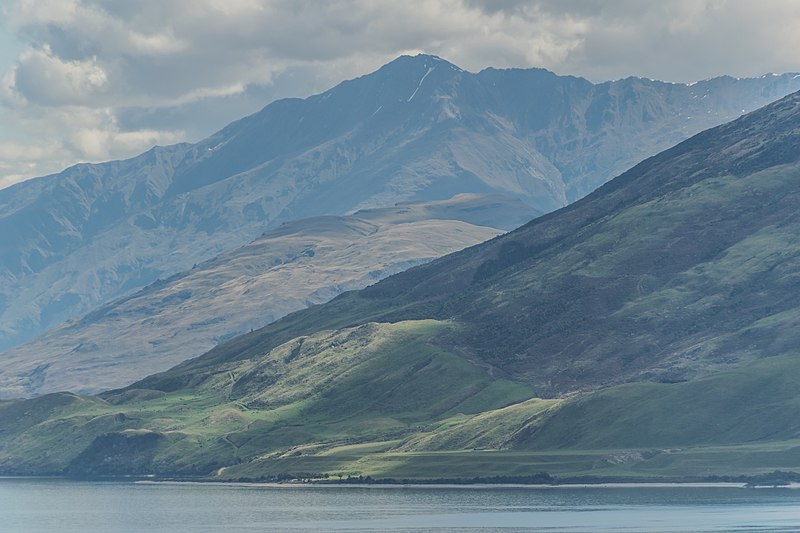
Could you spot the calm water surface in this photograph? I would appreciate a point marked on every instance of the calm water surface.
(49, 506)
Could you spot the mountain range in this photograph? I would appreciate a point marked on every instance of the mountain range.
(647, 331)
(418, 129)
(300, 263)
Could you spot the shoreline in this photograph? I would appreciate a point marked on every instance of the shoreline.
(409, 484)
(422, 485)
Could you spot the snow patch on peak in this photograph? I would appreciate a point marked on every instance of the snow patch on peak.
(430, 69)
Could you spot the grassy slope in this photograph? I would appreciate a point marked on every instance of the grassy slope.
(373, 382)
(752, 403)
(741, 422)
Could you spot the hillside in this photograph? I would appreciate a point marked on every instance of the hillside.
(418, 129)
(646, 331)
(678, 267)
(298, 264)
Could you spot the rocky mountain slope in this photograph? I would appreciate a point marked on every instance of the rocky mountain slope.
(417, 129)
(647, 330)
(298, 264)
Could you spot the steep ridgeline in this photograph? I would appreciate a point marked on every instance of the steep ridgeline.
(298, 264)
(649, 329)
(417, 129)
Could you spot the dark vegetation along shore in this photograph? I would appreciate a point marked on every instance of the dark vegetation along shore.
(646, 332)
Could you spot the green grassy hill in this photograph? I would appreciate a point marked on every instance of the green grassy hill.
(371, 382)
(646, 331)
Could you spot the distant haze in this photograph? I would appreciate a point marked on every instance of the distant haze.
(91, 80)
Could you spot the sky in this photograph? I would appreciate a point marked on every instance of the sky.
(94, 80)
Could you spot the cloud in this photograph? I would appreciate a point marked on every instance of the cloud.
(152, 53)
(100, 144)
(19, 161)
(106, 77)
(84, 134)
(41, 77)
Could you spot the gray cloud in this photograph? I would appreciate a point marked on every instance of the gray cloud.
(107, 77)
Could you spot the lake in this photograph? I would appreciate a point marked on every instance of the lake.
(63, 506)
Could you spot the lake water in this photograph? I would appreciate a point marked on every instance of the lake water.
(49, 506)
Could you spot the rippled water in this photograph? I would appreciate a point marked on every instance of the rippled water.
(37, 505)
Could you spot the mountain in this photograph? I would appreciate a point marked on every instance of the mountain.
(298, 264)
(646, 331)
(418, 129)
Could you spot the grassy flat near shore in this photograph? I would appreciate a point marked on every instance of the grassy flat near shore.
(688, 464)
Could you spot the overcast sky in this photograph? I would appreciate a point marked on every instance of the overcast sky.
(92, 80)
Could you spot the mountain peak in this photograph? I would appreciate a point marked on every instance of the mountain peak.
(405, 62)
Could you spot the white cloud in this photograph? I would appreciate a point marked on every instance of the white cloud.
(213, 92)
(96, 144)
(95, 135)
(19, 160)
(43, 12)
(96, 69)
(45, 79)
(157, 44)
(85, 134)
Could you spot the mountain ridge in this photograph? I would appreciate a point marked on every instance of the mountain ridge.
(382, 138)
